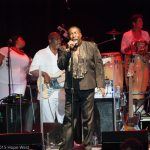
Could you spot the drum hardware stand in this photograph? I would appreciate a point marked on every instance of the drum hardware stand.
(20, 110)
(148, 105)
(117, 101)
(32, 105)
(114, 98)
(106, 41)
(142, 104)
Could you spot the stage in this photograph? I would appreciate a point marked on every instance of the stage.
(34, 141)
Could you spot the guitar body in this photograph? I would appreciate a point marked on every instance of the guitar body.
(46, 90)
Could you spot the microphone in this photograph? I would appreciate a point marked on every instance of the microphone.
(73, 44)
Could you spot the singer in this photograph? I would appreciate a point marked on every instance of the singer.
(84, 71)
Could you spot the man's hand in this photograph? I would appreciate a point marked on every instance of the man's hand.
(46, 77)
(102, 91)
(1, 59)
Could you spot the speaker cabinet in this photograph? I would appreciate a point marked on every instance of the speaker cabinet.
(21, 141)
(16, 118)
(135, 139)
(10, 118)
(52, 133)
(104, 114)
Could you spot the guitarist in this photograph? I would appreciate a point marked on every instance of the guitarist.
(44, 67)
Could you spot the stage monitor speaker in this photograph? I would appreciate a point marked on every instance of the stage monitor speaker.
(104, 114)
(10, 118)
(138, 140)
(52, 133)
(21, 141)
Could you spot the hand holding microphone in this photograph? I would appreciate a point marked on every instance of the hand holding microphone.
(73, 44)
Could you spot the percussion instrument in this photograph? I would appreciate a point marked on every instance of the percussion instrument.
(141, 47)
(140, 77)
(113, 70)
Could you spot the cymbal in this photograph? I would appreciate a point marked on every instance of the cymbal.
(113, 32)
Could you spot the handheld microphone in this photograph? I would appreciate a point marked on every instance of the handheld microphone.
(73, 44)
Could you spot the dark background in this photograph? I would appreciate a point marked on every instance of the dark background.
(34, 19)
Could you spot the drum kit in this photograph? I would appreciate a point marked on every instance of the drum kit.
(116, 70)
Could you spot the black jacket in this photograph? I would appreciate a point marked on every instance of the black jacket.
(95, 71)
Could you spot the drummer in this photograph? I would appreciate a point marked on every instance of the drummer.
(135, 43)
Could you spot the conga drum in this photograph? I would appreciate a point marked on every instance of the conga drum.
(141, 47)
(140, 60)
(113, 69)
(140, 79)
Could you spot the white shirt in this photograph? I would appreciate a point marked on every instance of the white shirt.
(45, 60)
(19, 65)
(128, 38)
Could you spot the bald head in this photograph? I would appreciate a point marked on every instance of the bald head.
(54, 40)
(54, 35)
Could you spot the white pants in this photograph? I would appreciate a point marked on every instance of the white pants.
(53, 107)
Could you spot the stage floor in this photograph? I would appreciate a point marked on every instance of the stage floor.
(93, 148)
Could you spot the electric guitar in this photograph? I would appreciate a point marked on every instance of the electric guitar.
(132, 120)
(46, 89)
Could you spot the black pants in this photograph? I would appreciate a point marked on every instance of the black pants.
(83, 102)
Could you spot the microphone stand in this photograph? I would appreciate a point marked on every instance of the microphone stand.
(11, 98)
(72, 100)
(8, 56)
(9, 91)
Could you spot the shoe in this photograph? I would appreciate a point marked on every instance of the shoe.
(78, 146)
